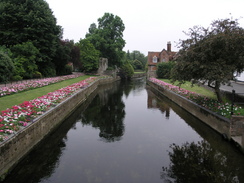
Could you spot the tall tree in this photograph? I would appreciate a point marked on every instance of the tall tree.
(89, 56)
(25, 57)
(212, 54)
(30, 21)
(107, 37)
(6, 65)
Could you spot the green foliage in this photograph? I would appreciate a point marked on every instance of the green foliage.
(136, 56)
(6, 66)
(25, 57)
(89, 56)
(37, 74)
(137, 65)
(107, 37)
(212, 54)
(49, 70)
(17, 78)
(126, 70)
(63, 56)
(24, 21)
(68, 69)
(164, 69)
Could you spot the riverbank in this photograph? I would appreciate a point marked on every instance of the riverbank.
(18, 146)
(232, 129)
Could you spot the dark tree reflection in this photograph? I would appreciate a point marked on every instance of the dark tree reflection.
(107, 113)
(198, 162)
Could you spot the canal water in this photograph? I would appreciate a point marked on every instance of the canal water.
(127, 132)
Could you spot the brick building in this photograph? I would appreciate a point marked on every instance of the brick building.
(157, 57)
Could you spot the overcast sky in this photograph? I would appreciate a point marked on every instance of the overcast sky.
(150, 24)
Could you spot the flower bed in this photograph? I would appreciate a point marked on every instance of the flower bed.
(19, 116)
(31, 84)
(223, 109)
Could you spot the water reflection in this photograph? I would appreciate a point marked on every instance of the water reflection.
(213, 160)
(198, 162)
(107, 113)
(153, 102)
(139, 125)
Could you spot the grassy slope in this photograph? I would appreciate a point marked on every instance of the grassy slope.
(18, 98)
(195, 88)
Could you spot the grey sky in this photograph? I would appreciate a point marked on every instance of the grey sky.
(149, 25)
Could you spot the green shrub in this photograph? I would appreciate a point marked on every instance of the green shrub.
(6, 67)
(164, 69)
(126, 71)
(37, 74)
(17, 78)
(68, 69)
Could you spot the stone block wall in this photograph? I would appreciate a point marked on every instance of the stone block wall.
(217, 122)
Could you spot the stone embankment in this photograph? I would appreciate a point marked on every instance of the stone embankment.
(232, 129)
(18, 146)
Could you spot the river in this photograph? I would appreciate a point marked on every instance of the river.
(127, 132)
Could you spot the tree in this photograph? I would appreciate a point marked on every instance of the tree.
(164, 69)
(211, 55)
(25, 56)
(107, 37)
(30, 20)
(126, 70)
(137, 55)
(137, 64)
(89, 56)
(6, 65)
(63, 56)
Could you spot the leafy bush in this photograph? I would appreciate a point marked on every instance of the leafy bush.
(68, 69)
(37, 74)
(6, 67)
(17, 78)
(126, 71)
(137, 64)
(164, 69)
(25, 58)
(89, 56)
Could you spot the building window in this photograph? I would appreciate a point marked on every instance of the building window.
(155, 59)
(163, 60)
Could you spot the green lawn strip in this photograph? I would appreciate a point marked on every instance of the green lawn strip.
(18, 98)
(139, 72)
(197, 89)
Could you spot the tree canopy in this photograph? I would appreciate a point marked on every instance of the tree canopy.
(6, 65)
(107, 37)
(32, 21)
(137, 59)
(211, 54)
(89, 56)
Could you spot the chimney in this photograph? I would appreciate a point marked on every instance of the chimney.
(169, 46)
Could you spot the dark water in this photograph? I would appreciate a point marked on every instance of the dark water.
(127, 133)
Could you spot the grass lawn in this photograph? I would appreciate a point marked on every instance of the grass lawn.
(18, 98)
(195, 88)
(139, 72)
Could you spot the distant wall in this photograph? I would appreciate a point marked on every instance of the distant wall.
(14, 149)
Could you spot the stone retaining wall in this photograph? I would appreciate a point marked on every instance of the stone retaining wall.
(14, 149)
(230, 128)
(217, 122)
(138, 75)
